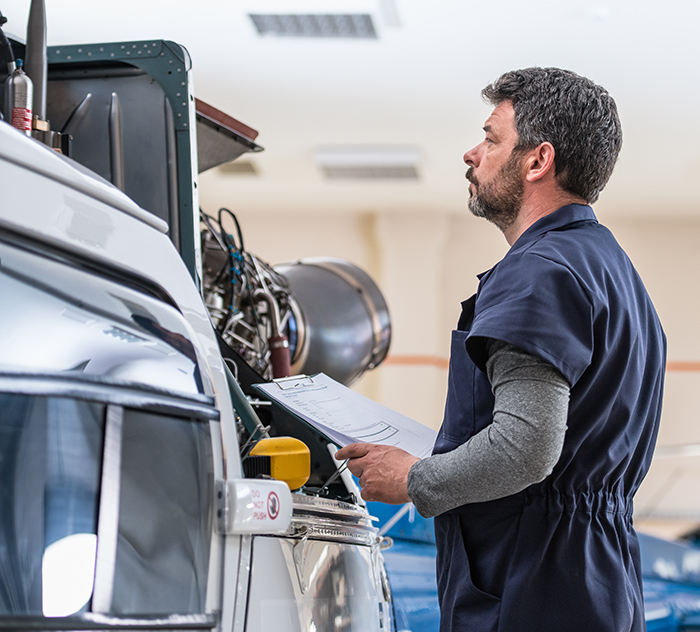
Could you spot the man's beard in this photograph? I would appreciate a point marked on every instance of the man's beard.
(499, 201)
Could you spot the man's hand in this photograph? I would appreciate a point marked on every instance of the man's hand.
(382, 470)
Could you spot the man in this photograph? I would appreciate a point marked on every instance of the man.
(555, 385)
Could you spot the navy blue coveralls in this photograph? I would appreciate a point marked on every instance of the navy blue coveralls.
(560, 556)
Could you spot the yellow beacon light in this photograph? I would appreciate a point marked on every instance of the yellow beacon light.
(283, 458)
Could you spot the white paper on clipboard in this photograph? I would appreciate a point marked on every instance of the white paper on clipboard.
(345, 416)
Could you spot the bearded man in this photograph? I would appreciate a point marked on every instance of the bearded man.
(555, 385)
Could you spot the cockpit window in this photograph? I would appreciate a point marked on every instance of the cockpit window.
(50, 456)
(103, 508)
(165, 501)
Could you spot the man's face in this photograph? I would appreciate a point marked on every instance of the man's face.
(496, 189)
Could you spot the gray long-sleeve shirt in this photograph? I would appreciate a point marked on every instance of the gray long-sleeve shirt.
(520, 447)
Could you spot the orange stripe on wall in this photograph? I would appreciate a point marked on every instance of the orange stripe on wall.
(690, 367)
(443, 363)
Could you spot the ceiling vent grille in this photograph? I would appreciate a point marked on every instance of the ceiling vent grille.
(356, 172)
(336, 25)
(368, 162)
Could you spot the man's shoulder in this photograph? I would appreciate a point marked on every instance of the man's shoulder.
(577, 247)
(573, 260)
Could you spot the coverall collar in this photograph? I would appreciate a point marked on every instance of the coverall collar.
(562, 217)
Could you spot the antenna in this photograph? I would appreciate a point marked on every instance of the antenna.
(37, 70)
(36, 58)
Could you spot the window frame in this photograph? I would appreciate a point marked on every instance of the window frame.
(117, 398)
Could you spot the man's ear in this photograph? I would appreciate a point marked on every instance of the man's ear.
(540, 162)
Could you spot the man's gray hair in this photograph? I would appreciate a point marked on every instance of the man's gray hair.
(578, 117)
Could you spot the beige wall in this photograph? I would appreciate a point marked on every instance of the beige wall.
(667, 255)
(426, 263)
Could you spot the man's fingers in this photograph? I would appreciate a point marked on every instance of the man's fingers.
(355, 468)
(382, 470)
(353, 451)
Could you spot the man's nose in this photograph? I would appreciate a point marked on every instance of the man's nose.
(471, 158)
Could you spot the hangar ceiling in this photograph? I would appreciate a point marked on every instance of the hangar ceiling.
(402, 80)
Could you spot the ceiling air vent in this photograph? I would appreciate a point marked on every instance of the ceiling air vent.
(357, 25)
(368, 163)
(370, 173)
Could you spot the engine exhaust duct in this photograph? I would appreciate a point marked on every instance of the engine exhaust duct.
(345, 327)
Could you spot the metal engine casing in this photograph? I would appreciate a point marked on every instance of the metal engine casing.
(345, 328)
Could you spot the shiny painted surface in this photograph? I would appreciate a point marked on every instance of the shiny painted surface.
(65, 319)
(328, 575)
(327, 586)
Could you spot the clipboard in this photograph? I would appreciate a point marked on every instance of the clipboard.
(345, 416)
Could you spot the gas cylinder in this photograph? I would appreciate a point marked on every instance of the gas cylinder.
(18, 99)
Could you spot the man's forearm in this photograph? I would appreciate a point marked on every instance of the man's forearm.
(520, 447)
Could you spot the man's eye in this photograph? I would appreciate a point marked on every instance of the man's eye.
(489, 141)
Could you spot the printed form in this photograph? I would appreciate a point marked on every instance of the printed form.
(346, 416)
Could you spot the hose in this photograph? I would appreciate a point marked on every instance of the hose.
(6, 55)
